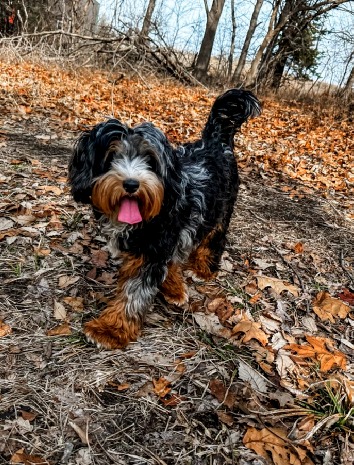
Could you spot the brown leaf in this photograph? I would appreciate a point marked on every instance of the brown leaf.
(59, 311)
(251, 330)
(318, 352)
(224, 395)
(347, 296)
(162, 387)
(225, 417)
(123, 387)
(211, 324)
(21, 457)
(30, 416)
(107, 278)
(273, 442)
(298, 248)
(276, 284)
(328, 308)
(53, 189)
(61, 330)
(66, 281)
(99, 258)
(76, 303)
(4, 329)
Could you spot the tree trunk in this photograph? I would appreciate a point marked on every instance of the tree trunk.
(147, 19)
(349, 85)
(204, 55)
(232, 43)
(251, 29)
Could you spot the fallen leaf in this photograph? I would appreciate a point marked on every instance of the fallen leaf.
(347, 296)
(251, 330)
(273, 442)
(5, 223)
(4, 329)
(250, 375)
(61, 330)
(83, 435)
(66, 281)
(318, 352)
(123, 387)
(211, 324)
(328, 308)
(298, 248)
(53, 189)
(21, 457)
(224, 395)
(276, 284)
(162, 387)
(76, 303)
(30, 416)
(225, 417)
(99, 258)
(59, 311)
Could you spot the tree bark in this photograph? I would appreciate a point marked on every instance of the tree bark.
(232, 42)
(147, 19)
(349, 85)
(204, 55)
(236, 78)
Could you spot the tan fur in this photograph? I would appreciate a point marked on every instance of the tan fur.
(113, 329)
(174, 288)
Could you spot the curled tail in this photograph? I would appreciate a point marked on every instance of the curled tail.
(228, 113)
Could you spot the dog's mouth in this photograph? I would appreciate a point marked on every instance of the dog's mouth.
(129, 211)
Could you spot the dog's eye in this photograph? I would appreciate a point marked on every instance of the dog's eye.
(152, 162)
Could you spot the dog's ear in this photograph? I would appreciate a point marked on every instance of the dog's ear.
(81, 169)
(89, 159)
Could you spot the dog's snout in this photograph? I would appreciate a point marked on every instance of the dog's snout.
(131, 185)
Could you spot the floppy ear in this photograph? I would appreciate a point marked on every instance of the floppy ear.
(81, 169)
(89, 158)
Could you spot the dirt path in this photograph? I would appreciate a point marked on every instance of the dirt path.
(175, 396)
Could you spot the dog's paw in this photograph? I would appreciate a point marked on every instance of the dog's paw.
(178, 300)
(108, 337)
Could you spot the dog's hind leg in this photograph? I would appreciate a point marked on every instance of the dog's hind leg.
(204, 261)
(174, 288)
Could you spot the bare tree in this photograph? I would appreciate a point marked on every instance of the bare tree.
(204, 55)
(147, 18)
(284, 12)
(236, 78)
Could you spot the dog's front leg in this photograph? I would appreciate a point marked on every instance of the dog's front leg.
(121, 322)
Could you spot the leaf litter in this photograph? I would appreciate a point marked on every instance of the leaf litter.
(221, 381)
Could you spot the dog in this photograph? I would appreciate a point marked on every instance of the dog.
(165, 209)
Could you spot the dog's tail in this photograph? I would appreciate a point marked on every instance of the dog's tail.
(228, 113)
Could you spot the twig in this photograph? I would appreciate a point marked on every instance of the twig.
(341, 262)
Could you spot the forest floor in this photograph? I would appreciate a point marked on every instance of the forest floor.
(258, 367)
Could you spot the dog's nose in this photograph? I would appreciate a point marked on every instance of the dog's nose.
(131, 185)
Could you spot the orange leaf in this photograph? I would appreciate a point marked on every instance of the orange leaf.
(252, 330)
(4, 329)
(327, 307)
(161, 387)
(61, 330)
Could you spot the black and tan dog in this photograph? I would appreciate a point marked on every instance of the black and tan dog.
(164, 208)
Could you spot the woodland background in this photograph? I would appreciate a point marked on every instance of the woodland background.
(258, 368)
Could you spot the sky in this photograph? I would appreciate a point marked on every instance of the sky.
(183, 22)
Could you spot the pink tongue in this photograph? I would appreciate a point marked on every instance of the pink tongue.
(129, 211)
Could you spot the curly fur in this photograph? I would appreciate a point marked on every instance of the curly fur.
(185, 196)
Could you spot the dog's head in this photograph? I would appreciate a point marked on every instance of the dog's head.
(121, 171)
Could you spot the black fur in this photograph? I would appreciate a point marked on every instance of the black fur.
(200, 182)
